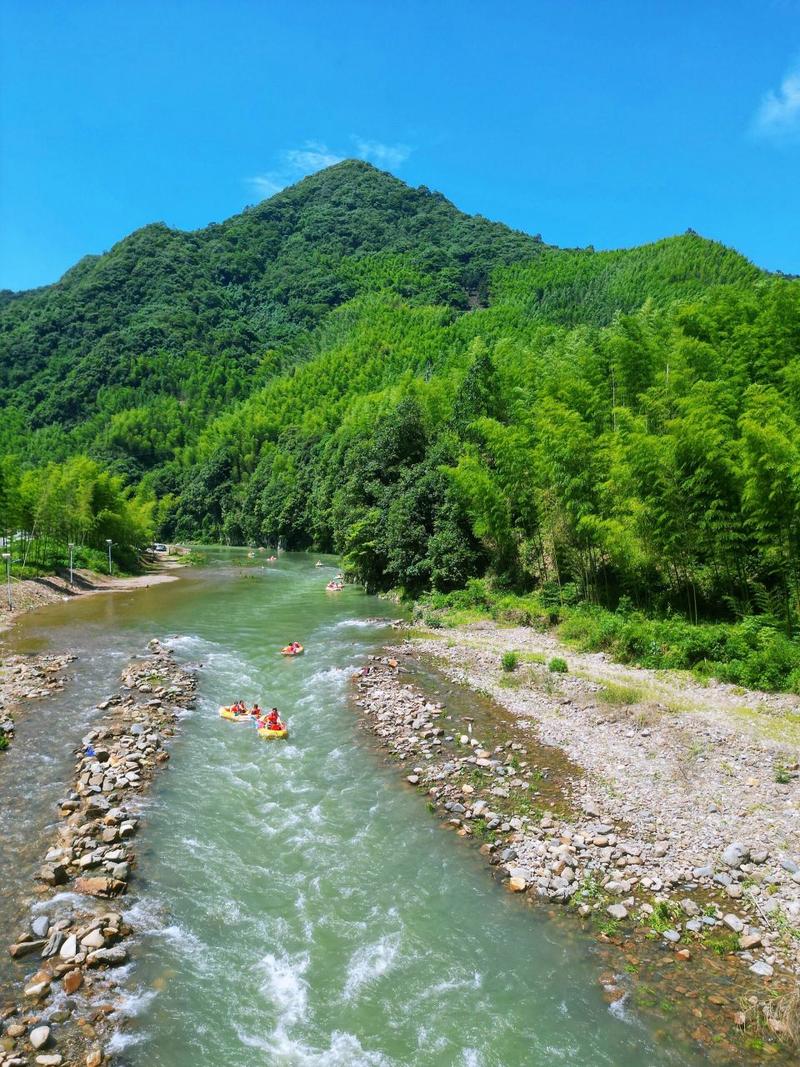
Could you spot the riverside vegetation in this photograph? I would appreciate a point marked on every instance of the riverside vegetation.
(357, 366)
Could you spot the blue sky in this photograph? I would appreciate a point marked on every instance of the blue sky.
(606, 123)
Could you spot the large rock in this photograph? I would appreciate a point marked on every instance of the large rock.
(39, 1036)
(69, 948)
(72, 982)
(24, 948)
(617, 911)
(94, 939)
(40, 925)
(100, 887)
(55, 874)
(735, 854)
(53, 946)
(107, 957)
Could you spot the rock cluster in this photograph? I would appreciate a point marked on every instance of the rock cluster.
(77, 946)
(28, 678)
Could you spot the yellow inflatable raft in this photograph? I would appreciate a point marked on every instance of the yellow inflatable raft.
(272, 735)
(227, 713)
(289, 651)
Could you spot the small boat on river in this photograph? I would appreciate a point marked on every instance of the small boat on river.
(227, 712)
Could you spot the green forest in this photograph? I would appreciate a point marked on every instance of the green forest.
(356, 366)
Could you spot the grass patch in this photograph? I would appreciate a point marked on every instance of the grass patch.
(752, 653)
(557, 665)
(665, 914)
(509, 661)
(723, 944)
(611, 693)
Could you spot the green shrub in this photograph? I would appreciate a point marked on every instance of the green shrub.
(558, 665)
(509, 661)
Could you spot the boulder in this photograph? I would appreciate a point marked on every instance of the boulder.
(617, 911)
(55, 874)
(735, 855)
(764, 970)
(24, 948)
(107, 957)
(100, 887)
(40, 925)
(39, 1036)
(53, 946)
(69, 948)
(94, 939)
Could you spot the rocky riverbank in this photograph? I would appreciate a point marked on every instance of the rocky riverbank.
(24, 678)
(76, 937)
(561, 828)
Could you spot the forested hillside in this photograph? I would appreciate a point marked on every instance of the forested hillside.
(357, 366)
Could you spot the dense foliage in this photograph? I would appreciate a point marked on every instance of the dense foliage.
(356, 366)
(45, 509)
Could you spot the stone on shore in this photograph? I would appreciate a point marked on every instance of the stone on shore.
(100, 887)
(617, 911)
(39, 1036)
(72, 982)
(735, 855)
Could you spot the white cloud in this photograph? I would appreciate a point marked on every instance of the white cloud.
(779, 112)
(382, 155)
(296, 163)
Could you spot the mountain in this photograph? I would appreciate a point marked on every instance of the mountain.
(358, 366)
(163, 307)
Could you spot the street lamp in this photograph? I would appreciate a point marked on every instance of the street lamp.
(7, 558)
(109, 543)
(71, 549)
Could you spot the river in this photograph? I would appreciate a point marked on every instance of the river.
(296, 904)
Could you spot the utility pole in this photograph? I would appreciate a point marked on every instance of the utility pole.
(7, 558)
(109, 543)
(71, 549)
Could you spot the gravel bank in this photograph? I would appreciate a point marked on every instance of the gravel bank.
(642, 819)
(76, 938)
(24, 678)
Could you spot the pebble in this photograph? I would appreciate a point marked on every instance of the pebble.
(763, 969)
(39, 1036)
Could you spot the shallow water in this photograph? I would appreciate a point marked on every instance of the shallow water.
(295, 905)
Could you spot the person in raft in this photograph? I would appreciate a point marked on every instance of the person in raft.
(239, 708)
(295, 646)
(273, 720)
(256, 711)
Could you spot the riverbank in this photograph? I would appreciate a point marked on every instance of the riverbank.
(31, 593)
(75, 934)
(646, 803)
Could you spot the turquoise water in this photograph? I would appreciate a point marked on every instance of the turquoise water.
(296, 904)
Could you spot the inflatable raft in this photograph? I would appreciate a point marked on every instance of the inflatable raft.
(226, 713)
(272, 735)
(289, 651)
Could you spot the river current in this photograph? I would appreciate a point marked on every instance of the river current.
(295, 904)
